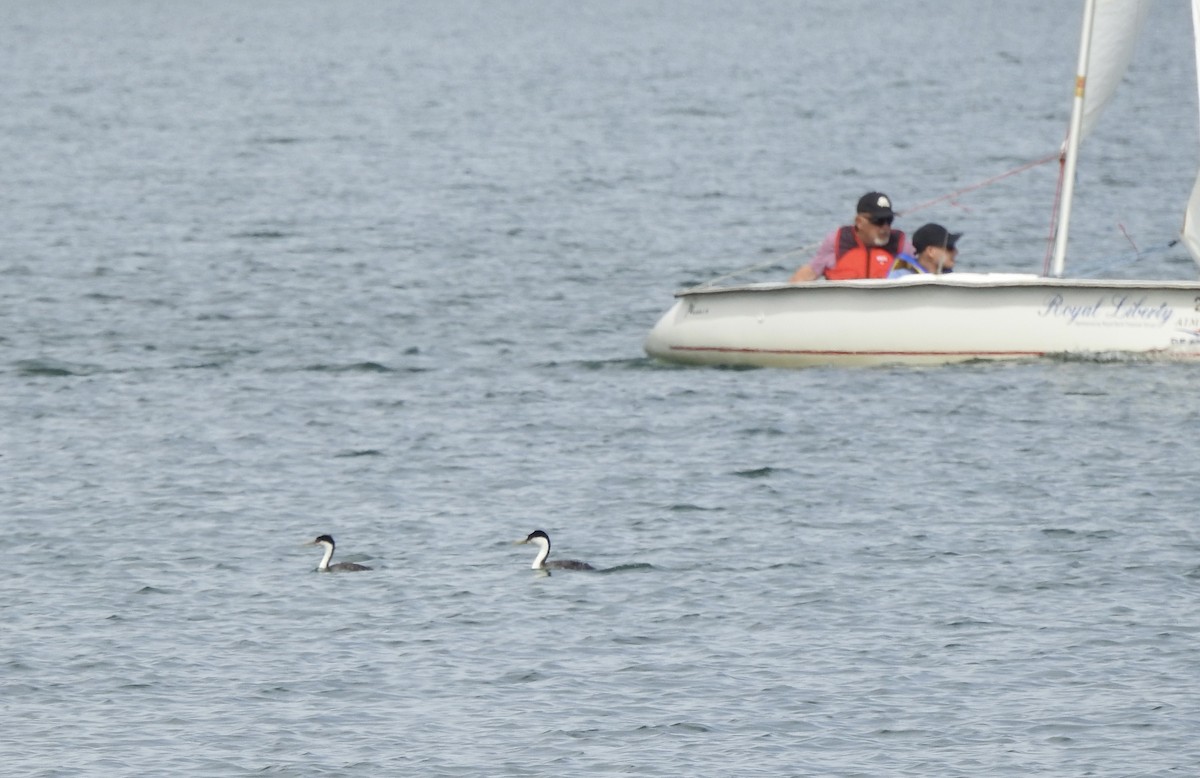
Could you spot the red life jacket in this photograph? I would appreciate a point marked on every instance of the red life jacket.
(854, 260)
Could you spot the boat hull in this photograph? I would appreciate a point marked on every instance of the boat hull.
(924, 320)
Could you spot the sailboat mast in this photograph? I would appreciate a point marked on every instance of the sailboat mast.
(1072, 152)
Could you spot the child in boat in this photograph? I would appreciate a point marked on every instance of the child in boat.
(936, 249)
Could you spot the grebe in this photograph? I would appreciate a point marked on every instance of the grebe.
(340, 567)
(542, 541)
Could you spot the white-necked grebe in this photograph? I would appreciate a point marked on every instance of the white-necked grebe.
(542, 541)
(340, 567)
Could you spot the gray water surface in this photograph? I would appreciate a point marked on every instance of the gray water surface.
(383, 271)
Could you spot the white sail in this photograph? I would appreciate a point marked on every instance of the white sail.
(1191, 217)
(1191, 223)
(1110, 32)
(1115, 30)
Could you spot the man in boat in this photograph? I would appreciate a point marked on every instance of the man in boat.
(936, 249)
(866, 249)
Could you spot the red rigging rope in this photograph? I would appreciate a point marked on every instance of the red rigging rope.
(1062, 169)
(981, 184)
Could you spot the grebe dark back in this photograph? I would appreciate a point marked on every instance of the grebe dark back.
(340, 567)
(542, 541)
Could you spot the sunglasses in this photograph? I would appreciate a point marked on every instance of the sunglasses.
(879, 221)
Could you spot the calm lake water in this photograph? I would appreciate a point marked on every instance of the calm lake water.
(380, 270)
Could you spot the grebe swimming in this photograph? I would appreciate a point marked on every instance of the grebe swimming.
(340, 567)
(542, 541)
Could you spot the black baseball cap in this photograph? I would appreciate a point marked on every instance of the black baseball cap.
(934, 235)
(875, 204)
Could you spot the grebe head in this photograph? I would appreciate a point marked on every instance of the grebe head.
(537, 537)
(321, 540)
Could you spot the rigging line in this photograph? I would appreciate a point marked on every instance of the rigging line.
(1062, 169)
(758, 266)
(981, 184)
(1129, 238)
(1106, 265)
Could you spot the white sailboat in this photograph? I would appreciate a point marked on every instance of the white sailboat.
(937, 319)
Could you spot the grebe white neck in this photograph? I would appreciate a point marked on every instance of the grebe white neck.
(324, 566)
(539, 561)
